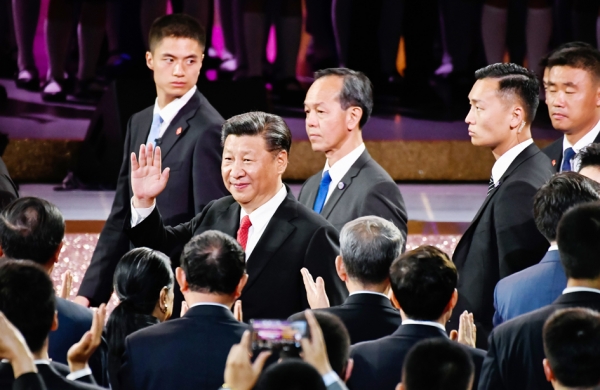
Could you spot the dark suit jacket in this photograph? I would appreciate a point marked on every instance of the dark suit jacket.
(368, 190)
(185, 353)
(294, 238)
(501, 240)
(73, 321)
(554, 151)
(29, 381)
(516, 348)
(530, 289)
(8, 189)
(367, 317)
(194, 157)
(378, 364)
(53, 374)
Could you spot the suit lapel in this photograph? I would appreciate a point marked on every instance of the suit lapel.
(312, 189)
(337, 193)
(277, 231)
(229, 220)
(140, 133)
(179, 125)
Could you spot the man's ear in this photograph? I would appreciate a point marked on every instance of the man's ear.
(149, 60)
(241, 285)
(395, 301)
(54, 322)
(57, 253)
(181, 280)
(282, 161)
(548, 371)
(452, 302)
(518, 117)
(341, 268)
(349, 367)
(353, 115)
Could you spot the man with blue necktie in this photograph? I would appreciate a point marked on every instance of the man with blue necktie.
(573, 97)
(352, 184)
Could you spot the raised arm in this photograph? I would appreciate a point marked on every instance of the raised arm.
(148, 179)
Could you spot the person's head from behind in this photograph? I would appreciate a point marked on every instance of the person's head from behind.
(177, 44)
(437, 364)
(338, 105)
(143, 282)
(256, 146)
(32, 229)
(27, 299)
(563, 191)
(504, 100)
(569, 45)
(573, 90)
(290, 374)
(589, 158)
(368, 246)
(572, 348)
(578, 243)
(337, 341)
(213, 268)
(424, 284)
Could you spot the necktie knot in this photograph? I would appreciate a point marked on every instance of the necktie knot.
(322, 194)
(242, 234)
(567, 157)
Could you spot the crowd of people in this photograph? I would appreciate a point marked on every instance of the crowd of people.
(514, 307)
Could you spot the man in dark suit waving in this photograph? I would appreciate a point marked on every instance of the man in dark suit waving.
(186, 127)
(351, 184)
(279, 235)
(503, 238)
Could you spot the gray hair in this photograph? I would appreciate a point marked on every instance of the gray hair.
(356, 91)
(368, 246)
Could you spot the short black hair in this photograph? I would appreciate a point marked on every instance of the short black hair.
(176, 26)
(290, 374)
(27, 299)
(213, 262)
(423, 281)
(563, 191)
(515, 80)
(578, 243)
(437, 364)
(368, 246)
(31, 229)
(272, 128)
(568, 45)
(357, 90)
(572, 347)
(586, 58)
(589, 156)
(336, 336)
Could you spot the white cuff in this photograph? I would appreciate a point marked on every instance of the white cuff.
(79, 374)
(138, 215)
(330, 378)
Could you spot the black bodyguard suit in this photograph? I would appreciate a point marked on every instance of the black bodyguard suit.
(368, 190)
(554, 151)
(186, 353)
(501, 240)
(516, 348)
(378, 364)
(53, 374)
(194, 157)
(367, 317)
(294, 238)
(29, 381)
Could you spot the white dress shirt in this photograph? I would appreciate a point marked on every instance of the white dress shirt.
(340, 168)
(259, 218)
(502, 164)
(428, 323)
(580, 289)
(368, 292)
(169, 111)
(586, 140)
(553, 248)
(209, 304)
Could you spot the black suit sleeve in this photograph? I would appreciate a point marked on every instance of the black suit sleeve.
(29, 381)
(491, 378)
(385, 200)
(125, 374)
(520, 244)
(319, 259)
(206, 169)
(113, 243)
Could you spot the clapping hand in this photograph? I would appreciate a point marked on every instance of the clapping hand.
(67, 282)
(467, 331)
(14, 348)
(240, 373)
(315, 291)
(80, 352)
(147, 178)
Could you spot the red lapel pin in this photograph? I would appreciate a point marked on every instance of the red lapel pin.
(178, 131)
(553, 162)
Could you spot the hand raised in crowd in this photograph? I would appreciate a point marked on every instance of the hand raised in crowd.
(467, 331)
(314, 350)
(240, 372)
(148, 179)
(14, 348)
(67, 281)
(80, 352)
(315, 291)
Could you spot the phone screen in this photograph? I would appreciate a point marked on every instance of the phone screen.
(275, 334)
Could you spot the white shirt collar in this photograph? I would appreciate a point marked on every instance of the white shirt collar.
(502, 164)
(169, 111)
(209, 304)
(580, 289)
(428, 323)
(586, 140)
(260, 219)
(368, 292)
(553, 248)
(341, 167)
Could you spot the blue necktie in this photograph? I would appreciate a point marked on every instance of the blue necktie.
(155, 129)
(322, 194)
(567, 156)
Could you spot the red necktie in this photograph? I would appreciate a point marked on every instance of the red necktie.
(242, 233)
